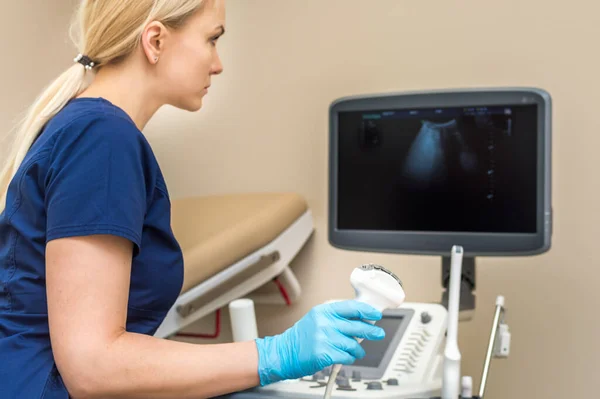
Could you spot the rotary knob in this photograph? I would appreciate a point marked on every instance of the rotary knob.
(374, 385)
(356, 375)
(425, 317)
(392, 381)
(342, 382)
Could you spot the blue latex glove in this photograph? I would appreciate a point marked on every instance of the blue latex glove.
(323, 337)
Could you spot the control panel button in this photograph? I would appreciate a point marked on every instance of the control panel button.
(392, 381)
(344, 384)
(342, 381)
(374, 385)
(425, 317)
(318, 376)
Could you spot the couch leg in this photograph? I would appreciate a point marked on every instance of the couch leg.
(288, 283)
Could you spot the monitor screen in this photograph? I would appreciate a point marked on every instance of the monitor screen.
(459, 169)
(420, 172)
(375, 350)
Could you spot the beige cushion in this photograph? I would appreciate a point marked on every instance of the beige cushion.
(217, 231)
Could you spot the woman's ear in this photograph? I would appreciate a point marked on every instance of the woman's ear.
(153, 39)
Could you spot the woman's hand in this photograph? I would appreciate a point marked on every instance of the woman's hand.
(323, 337)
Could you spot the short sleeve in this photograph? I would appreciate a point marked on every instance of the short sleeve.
(96, 181)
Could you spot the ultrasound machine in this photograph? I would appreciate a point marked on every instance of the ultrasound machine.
(425, 173)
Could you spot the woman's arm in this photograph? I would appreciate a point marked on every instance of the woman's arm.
(87, 289)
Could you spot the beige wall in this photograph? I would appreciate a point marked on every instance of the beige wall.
(264, 128)
(35, 48)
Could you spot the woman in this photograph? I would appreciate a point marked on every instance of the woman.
(89, 265)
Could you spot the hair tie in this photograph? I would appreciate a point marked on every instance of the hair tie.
(85, 61)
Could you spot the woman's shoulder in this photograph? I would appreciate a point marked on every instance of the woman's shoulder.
(92, 135)
(95, 129)
(93, 119)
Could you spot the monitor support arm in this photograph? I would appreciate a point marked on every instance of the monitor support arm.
(467, 285)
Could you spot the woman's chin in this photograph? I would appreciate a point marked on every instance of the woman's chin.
(192, 104)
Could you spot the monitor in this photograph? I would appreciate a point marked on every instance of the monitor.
(419, 172)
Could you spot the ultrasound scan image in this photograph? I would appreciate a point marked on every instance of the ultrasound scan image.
(436, 146)
(467, 170)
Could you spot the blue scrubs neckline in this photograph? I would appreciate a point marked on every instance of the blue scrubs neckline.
(103, 100)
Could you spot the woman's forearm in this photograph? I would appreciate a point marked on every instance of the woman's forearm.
(139, 366)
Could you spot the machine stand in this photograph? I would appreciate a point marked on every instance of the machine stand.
(467, 288)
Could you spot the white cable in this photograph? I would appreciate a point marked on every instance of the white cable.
(452, 356)
(335, 370)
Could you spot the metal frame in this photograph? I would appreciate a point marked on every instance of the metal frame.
(498, 314)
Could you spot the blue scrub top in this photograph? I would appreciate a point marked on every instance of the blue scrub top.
(91, 171)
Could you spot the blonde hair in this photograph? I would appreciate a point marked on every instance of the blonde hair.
(106, 31)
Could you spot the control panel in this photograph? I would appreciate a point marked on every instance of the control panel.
(407, 363)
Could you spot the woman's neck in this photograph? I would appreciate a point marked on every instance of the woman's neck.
(127, 89)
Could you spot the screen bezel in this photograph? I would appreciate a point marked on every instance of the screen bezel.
(440, 243)
(373, 373)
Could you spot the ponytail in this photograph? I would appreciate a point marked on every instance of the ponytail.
(48, 104)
